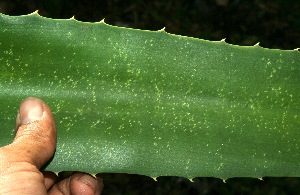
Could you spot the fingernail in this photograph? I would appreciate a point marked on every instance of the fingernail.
(31, 109)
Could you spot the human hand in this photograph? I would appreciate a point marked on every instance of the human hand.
(33, 146)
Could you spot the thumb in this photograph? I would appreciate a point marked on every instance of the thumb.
(35, 139)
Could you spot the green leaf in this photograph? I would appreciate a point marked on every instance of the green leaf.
(152, 103)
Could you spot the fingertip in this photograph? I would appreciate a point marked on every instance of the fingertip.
(78, 183)
(35, 131)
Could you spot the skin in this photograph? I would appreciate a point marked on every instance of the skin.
(33, 146)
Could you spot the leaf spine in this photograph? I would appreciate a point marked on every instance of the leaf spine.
(35, 12)
(102, 21)
(257, 44)
(162, 30)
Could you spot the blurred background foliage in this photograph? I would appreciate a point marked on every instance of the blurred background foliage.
(273, 23)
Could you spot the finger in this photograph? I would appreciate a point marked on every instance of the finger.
(50, 178)
(35, 138)
(78, 183)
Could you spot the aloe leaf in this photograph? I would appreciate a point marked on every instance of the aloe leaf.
(152, 103)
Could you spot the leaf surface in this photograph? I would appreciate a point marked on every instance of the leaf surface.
(152, 103)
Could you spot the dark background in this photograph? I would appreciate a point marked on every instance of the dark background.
(273, 23)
